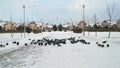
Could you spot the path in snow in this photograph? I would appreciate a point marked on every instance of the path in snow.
(20, 58)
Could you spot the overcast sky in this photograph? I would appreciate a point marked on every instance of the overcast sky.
(49, 10)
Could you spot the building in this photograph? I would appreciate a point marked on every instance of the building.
(66, 26)
(114, 26)
(82, 25)
(9, 25)
(39, 25)
(36, 25)
(118, 24)
(105, 24)
(32, 25)
(48, 27)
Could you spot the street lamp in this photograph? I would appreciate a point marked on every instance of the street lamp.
(32, 12)
(83, 10)
(24, 20)
(83, 6)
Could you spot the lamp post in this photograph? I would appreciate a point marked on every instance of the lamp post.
(24, 20)
(83, 13)
(95, 26)
(83, 6)
(32, 12)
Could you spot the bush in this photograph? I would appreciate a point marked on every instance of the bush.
(60, 27)
(49, 30)
(65, 30)
(77, 30)
(20, 28)
(95, 26)
(28, 30)
(0, 27)
(54, 27)
(37, 31)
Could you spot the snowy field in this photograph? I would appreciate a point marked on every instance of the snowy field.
(76, 55)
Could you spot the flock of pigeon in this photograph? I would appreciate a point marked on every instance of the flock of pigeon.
(103, 44)
(56, 42)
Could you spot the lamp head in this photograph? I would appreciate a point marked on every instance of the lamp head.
(23, 6)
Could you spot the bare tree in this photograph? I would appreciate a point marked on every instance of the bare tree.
(88, 27)
(11, 25)
(94, 20)
(110, 14)
(88, 22)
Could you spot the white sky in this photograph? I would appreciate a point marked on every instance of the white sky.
(48, 10)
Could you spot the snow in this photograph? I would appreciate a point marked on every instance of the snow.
(68, 56)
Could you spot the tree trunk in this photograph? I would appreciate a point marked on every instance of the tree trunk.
(88, 33)
(109, 34)
(95, 33)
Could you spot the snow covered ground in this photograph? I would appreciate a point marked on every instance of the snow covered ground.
(77, 55)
